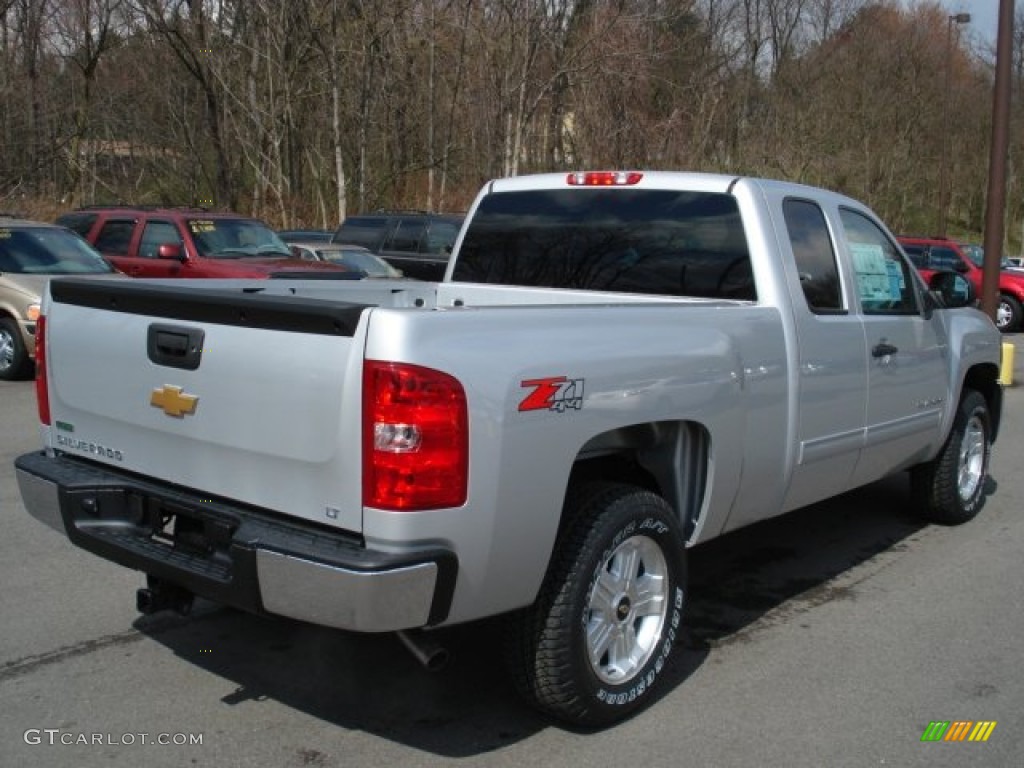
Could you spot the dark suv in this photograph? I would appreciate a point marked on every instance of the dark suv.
(932, 254)
(186, 242)
(416, 242)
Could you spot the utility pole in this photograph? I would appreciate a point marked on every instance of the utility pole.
(995, 207)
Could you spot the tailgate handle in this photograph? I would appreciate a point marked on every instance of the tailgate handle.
(174, 346)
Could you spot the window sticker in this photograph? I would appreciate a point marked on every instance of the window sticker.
(874, 279)
(199, 226)
(896, 283)
(5, 234)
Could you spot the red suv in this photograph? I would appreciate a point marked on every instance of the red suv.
(186, 242)
(931, 254)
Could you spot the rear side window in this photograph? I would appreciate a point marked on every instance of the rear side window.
(78, 222)
(367, 232)
(814, 255)
(624, 240)
(115, 236)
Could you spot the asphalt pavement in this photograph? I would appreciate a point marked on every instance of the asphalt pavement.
(830, 637)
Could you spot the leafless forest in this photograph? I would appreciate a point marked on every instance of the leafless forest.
(303, 111)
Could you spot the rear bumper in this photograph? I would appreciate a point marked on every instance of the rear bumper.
(247, 558)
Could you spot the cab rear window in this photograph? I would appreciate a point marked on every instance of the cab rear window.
(623, 240)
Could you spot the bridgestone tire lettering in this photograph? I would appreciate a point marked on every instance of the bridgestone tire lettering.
(556, 653)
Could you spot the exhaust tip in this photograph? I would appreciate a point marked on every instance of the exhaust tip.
(432, 656)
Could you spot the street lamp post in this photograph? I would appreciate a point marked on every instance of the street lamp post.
(958, 18)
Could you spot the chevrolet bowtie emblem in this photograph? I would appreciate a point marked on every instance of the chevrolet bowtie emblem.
(173, 402)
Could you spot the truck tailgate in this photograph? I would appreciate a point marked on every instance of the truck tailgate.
(235, 394)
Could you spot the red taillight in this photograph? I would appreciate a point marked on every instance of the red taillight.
(604, 178)
(415, 438)
(42, 392)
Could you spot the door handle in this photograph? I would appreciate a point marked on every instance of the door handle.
(882, 349)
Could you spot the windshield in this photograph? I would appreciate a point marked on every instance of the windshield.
(48, 251)
(975, 253)
(977, 256)
(235, 238)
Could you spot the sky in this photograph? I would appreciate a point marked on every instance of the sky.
(984, 15)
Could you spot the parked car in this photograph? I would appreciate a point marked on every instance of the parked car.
(932, 254)
(353, 257)
(30, 252)
(185, 242)
(416, 242)
(306, 235)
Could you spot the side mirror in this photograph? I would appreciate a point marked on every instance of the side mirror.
(169, 251)
(952, 290)
(959, 266)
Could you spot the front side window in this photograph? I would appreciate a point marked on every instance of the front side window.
(406, 236)
(918, 255)
(814, 255)
(155, 234)
(885, 284)
(441, 237)
(625, 240)
(941, 257)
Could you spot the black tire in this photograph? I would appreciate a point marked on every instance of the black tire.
(629, 539)
(14, 361)
(950, 489)
(1008, 313)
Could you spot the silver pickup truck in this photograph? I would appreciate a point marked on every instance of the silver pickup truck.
(617, 366)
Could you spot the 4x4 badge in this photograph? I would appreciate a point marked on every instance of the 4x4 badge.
(555, 393)
(171, 400)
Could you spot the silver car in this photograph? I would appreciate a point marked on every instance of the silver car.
(30, 253)
(354, 257)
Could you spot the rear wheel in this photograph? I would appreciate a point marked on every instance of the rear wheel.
(950, 489)
(1008, 313)
(14, 360)
(592, 648)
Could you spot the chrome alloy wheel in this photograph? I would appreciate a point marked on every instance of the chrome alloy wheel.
(626, 609)
(972, 458)
(6, 349)
(1004, 315)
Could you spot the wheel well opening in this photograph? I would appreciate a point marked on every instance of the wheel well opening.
(669, 459)
(985, 380)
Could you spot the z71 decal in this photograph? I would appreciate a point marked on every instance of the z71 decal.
(556, 393)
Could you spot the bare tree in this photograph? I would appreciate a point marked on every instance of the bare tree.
(197, 39)
(86, 31)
